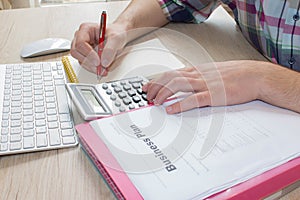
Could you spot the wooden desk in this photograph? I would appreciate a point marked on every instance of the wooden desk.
(67, 173)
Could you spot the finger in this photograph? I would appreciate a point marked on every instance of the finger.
(84, 40)
(155, 85)
(184, 71)
(179, 84)
(197, 100)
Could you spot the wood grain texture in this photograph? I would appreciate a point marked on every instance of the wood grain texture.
(68, 173)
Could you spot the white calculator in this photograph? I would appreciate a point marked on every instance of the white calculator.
(105, 99)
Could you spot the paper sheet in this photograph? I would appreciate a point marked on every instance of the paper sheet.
(162, 153)
(144, 59)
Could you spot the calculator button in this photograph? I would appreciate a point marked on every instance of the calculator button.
(140, 91)
(139, 79)
(136, 99)
(144, 96)
(105, 86)
(122, 82)
(136, 80)
(126, 87)
(143, 83)
(114, 84)
(141, 104)
(113, 97)
(117, 103)
(122, 109)
(127, 101)
(122, 95)
(136, 85)
(131, 93)
(108, 91)
(117, 89)
(131, 106)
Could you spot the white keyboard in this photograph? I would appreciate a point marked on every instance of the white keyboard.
(35, 110)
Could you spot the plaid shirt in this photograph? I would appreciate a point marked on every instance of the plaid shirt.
(271, 26)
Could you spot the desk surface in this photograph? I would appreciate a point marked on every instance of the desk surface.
(67, 173)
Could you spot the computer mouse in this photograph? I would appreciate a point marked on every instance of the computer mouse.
(45, 46)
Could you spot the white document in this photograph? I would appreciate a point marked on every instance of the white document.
(163, 154)
(144, 59)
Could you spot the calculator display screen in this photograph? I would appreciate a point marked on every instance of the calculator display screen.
(92, 101)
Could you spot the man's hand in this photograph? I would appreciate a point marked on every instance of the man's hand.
(85, 44)
(227, 83)
(137, 19)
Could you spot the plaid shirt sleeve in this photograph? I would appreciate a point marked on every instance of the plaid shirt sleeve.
(191, 11)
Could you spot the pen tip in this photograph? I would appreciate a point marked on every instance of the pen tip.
(98, 79)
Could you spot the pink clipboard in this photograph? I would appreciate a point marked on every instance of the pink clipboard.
(256, 188)
(118, 181)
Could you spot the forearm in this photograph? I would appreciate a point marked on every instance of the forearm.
(281, 87)
(141, 14)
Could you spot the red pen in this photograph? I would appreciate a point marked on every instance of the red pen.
(101, 44)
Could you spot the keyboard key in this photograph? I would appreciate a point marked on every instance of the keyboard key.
(15, 117)
(29, 132)
(67, 132)
(15, 146)
(63, 106)
(68, 140)
(54, 137)
(66, 125)
(28, 142)
(4, 131)
(41, 129)
(15, 138)
(41, 140)
(52, 118)
(40, 122)
(28, 118)
(28, 125)
(3, 138)
(52, 125)
(64, 118)
(15, 123)
(3, 147)
(16, 130)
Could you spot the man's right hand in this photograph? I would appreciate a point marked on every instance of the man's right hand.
(85, 45)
